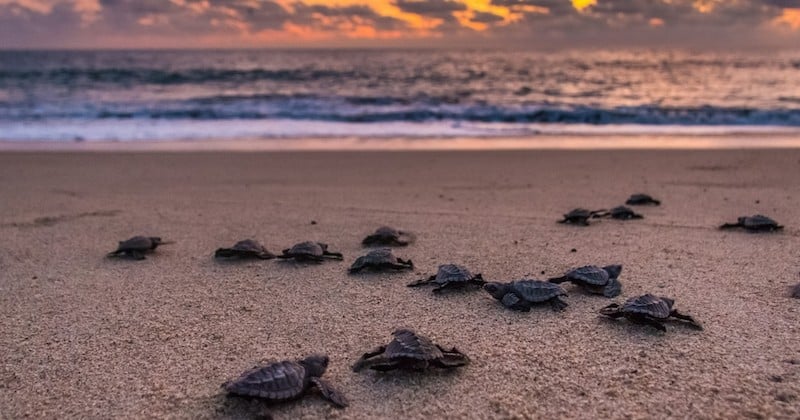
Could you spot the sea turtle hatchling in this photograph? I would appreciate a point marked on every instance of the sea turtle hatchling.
(649, 310)
(622, 213)
(598, 280)
(642, 200)
(388, 236)
(247, 248)
(379, 260)
(310, 251)
(756, 223)
(450, 276)
(580, 216)
(521, 295)
(410, 351)
(137, 246)
(287, 380)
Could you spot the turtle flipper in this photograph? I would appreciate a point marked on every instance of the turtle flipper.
(333, 255)
(652, 322)
(441, 287)
(510, 300)
(422, 282)
(689, 320)
(136, 255)
(330, 393)
(613, 288)
(451, 358)
(612, 311)
(730, 225)
(402, 264)
(559, 280)
(368, 358)
(224, 253)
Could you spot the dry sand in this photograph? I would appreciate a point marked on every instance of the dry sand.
(85, 336)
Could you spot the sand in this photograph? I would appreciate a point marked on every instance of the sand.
(85, 336)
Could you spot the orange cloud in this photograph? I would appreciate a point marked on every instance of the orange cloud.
(790, 17)
(582, 4)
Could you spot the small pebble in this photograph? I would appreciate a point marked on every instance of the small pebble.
(313, 222)
(573, 250)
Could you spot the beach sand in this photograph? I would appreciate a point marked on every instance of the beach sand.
(86, 336)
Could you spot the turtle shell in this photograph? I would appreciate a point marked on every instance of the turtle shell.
(652, 306)
(387, 233)
(138, 243)
(408, 345)
(590, 274)
(276, 381)
(449, 273)
(308, 248)
(622, 212)
(379, 256)
(758, 222)
(248, 245)
(536, 291)
(639, 199)
(578, 214)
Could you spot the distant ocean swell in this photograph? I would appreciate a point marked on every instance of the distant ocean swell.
(177, 95)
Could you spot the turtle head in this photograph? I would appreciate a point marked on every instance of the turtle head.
(155, 241)
(497, 290)
(613, 270)
(315, 364)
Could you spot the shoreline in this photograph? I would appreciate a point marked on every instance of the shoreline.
(542, 142)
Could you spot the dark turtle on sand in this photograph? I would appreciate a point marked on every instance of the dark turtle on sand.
(286, 380)
(521, 295)
(380, 260)
(642, 200)
(247, 248)
(622, 213)
(388, 236)
(796, 291)
(757, 223)
(580, 216)
(310, 251)
(137, 246)
(649, 310)
(450, 276)
(410, 351)
(598, 280)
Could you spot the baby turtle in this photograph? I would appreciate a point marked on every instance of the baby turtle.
(137, 246)
(642, 200)
(410, 351)
(388, 236)
(622, 213)
(521, 295)
(450, 276)
(580, 216)
(286, 380)
(310, 251)
(594, 279)
(247, 248)
(379, 260)
(757, 223)
(649, 310)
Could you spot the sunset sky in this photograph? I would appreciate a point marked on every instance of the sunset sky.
(398, 23)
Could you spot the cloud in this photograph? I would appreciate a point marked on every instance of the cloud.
(531, 23)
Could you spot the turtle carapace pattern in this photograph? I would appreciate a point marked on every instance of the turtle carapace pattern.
(649, 310)
(245, 249)
(521, 295)
(287, 380)
(642, 200)
(756, 223)
(388, 236)
(450, 276)
(310, 251)
(137, 246)
(598, 280)
(410, 351)
(380, 260)
(622, 213)
(580, 216)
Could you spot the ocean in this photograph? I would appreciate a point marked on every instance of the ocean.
(67, 96)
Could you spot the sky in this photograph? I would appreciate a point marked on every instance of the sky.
(539, 24)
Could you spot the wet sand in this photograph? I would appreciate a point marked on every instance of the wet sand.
(85, 336)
